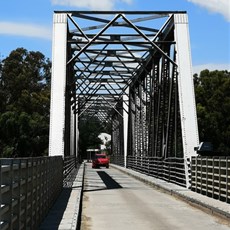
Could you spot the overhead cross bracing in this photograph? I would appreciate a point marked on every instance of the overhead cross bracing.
(109, 51)
(132, 71)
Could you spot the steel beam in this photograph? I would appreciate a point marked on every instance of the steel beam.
(130, 73)
(186, 90)
(58, 85)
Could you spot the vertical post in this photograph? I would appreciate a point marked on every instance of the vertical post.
(186, 90)
(125, 123)
(58, 85)
(75, 132)
(72, 132)
(76, 135)
(227, 179)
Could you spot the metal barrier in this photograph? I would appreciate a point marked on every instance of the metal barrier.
(170, 169)
(118, 160)
(211, 177)
(29, 187)
(70, 170)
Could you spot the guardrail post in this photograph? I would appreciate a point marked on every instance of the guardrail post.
(24, 191)
(16, 194)
(6, 205)
(227, 179)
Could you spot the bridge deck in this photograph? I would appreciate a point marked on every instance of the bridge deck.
(114, 200)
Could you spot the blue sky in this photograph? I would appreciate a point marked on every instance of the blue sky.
(28, 24)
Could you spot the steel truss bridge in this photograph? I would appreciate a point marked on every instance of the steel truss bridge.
(132, 71)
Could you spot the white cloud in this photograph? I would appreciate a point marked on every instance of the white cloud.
(127, 1)
(26, 30)
(216, 6)
(211, 67)
(91, 4)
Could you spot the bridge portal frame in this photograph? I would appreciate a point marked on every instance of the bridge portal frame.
(61, 116)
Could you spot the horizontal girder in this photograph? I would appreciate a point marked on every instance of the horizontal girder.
(111, 51)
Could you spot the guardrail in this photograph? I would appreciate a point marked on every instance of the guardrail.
(170, 169)
(70, 170)
(211, 177)
(118, 160)
(29, 187)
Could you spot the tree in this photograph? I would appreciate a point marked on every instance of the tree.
(89, 130)
(108, 146)
(24, 101)
(213, 108)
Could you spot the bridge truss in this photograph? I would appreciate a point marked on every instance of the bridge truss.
(132, 71)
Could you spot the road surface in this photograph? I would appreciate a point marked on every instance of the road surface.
(115, 201)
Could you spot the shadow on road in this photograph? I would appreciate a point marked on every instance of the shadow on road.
(109, 182)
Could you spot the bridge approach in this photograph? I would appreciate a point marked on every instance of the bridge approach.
(132, 72)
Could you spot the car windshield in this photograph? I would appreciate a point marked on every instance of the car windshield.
(100, 156)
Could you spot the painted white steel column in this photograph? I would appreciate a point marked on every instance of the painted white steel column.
(58, 84)
(72, 135)
(186, 90)
(77, 135)
(125, 123)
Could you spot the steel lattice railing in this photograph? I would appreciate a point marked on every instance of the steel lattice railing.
(118, 160)
(29, 187)
(70, 170)
(169, 169)
(211, 177)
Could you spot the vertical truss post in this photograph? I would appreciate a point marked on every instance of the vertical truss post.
(125, 122)
(186, 90)
(130, 143)
(58, 85)
(76, 132)
(72, 132)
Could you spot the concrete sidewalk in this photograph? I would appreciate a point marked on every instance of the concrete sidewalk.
(66, 211)
(207, 204)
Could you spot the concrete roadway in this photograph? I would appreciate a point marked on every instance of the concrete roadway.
(113, 200)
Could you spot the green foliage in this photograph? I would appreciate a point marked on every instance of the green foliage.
(24, 104)
(212, 90)
(25, 99)
(108, 147)
(89, 130)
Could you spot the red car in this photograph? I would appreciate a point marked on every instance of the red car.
(100, 160)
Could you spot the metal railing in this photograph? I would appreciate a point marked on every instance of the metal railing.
(118, 160)
(29, 187)
(170, 169)
(211, 177)
(70, 170)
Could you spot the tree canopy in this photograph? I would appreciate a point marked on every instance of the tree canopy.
(25, 101)
(24, 104)
(212, 89)
(89, 130)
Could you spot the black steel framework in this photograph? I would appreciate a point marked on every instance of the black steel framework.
(131, 53)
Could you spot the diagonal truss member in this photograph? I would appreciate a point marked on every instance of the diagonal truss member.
(132, 71)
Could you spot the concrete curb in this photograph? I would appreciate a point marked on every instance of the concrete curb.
(207, 204)
(78, 183)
